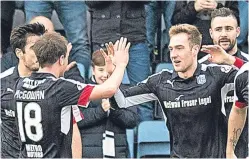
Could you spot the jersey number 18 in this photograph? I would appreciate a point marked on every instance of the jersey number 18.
(29, 121)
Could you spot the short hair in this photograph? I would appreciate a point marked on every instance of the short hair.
(224, 12)
(49, 48)
(19, 35)
(195, 36)
(98, 59)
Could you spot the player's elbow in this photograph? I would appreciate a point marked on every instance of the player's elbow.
(110, 91)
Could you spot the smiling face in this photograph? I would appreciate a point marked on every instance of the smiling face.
(100, 74)
(181, 53)
(224, 32)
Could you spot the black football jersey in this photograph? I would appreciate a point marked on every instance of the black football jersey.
(192, 108)
(10, 145)
(43, 108)
(241, 85)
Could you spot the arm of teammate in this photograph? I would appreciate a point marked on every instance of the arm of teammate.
(143, 92)
(236, 124)
(219, 56)
(238, 113)
(73, 92)
(76, 142)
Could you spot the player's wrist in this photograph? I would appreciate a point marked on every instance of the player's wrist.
(121, 65)
(238, 62)
(229, 60)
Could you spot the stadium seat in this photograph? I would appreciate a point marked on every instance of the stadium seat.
(130, 140)
(162, 66)
(153, 139)
(81, 69)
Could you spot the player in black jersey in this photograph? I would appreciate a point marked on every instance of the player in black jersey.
(238, 113)
(189, 96)
(224, 31)
(22, 38)
(44, 100)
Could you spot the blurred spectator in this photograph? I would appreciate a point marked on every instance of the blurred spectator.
(152, 16)
(243, 14)
(45, 21)
(110, 21)
(198, 13)
(104, 127)
(7, 12)
(72, 15)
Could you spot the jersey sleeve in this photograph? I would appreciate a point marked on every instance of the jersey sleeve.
(241, 90)
(72, 92)
(144, 91)
(226, 74)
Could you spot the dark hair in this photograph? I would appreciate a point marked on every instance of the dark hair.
(49, 48)
(224, 12)
(98, 59)
(19, 35)
(195, 36)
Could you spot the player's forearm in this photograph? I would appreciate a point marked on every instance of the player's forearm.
(236, 124)
(114, 81)
(76, 142)
(110, 86)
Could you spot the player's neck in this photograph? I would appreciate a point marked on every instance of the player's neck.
(234, 50)
(189, 73)
(50, 70)
(23, 70)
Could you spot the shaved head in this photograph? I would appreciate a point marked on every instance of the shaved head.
(45, 21)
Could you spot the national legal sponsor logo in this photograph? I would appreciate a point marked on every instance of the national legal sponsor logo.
(187, 103)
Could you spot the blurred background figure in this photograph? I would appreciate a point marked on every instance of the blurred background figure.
(198, 13)
(7, 12)
(72, 15)
(112, 19)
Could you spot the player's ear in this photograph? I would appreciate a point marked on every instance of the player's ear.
(19, 53)
(211, 33)
(238, 31)
(62, 60)
(196, 49)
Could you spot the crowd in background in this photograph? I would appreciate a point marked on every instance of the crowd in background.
(88, 25)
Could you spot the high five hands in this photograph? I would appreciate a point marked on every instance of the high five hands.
(117, 54)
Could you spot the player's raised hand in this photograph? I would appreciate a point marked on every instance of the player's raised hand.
(108, 62)
(121, 52)
(218, 54)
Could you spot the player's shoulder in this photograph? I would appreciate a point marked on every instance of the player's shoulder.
(244, 68)
(8, 78)
(215, 68)
(245, 56)
(7, 74)
(242, 74)
(154, 78)
(69, 83)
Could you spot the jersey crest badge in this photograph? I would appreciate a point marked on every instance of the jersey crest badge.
(201, 79)
(225, 69)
